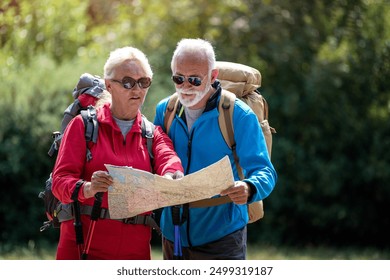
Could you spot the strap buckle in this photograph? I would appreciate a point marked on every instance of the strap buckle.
(104, 213)
(137, 220)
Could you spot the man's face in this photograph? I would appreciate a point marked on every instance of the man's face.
(191, 71)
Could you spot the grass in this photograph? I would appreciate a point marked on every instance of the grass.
(255, 252)
(316, 253)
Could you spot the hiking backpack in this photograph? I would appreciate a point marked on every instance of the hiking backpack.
(86, 94)
(241, 81)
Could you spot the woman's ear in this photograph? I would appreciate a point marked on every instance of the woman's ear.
(108, 84)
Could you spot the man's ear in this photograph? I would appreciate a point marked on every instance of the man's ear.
(214, 75)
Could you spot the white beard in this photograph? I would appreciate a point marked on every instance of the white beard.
(198, 95)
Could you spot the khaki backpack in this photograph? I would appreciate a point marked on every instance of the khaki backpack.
(241, 81)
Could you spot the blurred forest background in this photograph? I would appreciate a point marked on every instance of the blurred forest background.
(326, 76)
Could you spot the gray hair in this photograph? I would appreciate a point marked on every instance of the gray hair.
(118, 56)
(194, 47)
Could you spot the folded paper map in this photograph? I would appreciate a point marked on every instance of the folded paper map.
(136, 191)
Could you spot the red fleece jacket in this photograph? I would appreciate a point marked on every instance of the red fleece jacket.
(112, 239)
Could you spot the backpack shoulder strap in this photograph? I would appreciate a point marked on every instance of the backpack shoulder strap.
(91, 125)
(170, 111)
(148, 132)
(265, 107)
(225, 119)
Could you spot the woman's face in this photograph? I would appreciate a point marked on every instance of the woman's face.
(128, 88)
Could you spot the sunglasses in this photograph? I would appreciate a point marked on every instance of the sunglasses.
(129, 83)
(195, 81)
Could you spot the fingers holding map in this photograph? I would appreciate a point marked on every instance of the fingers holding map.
(136, 191)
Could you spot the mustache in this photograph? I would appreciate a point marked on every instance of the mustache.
(188, 92)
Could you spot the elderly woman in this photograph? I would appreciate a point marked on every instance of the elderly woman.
(127, 77)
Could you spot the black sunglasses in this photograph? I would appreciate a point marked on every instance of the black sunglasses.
(195, 81)
(128, 82)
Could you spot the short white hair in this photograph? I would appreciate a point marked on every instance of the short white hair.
(194, 47)
(120, 55)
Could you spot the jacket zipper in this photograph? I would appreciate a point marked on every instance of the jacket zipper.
(186, 207)
(189, 150)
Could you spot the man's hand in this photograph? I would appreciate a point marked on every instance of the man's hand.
(239, 193)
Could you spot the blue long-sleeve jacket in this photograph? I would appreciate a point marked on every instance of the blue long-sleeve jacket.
(204, 145)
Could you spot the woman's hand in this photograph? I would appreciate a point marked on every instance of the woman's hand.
(100, 181)
(174, 176)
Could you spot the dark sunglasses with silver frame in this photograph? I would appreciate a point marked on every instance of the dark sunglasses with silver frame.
(195, 81)
(129, 82)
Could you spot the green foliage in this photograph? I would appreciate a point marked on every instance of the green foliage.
(323, 90)
(325, 69)
(31, 27)
(20, 174)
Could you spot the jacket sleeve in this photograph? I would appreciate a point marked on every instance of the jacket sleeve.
(166, 159)
(69, 165)
(252, 153)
